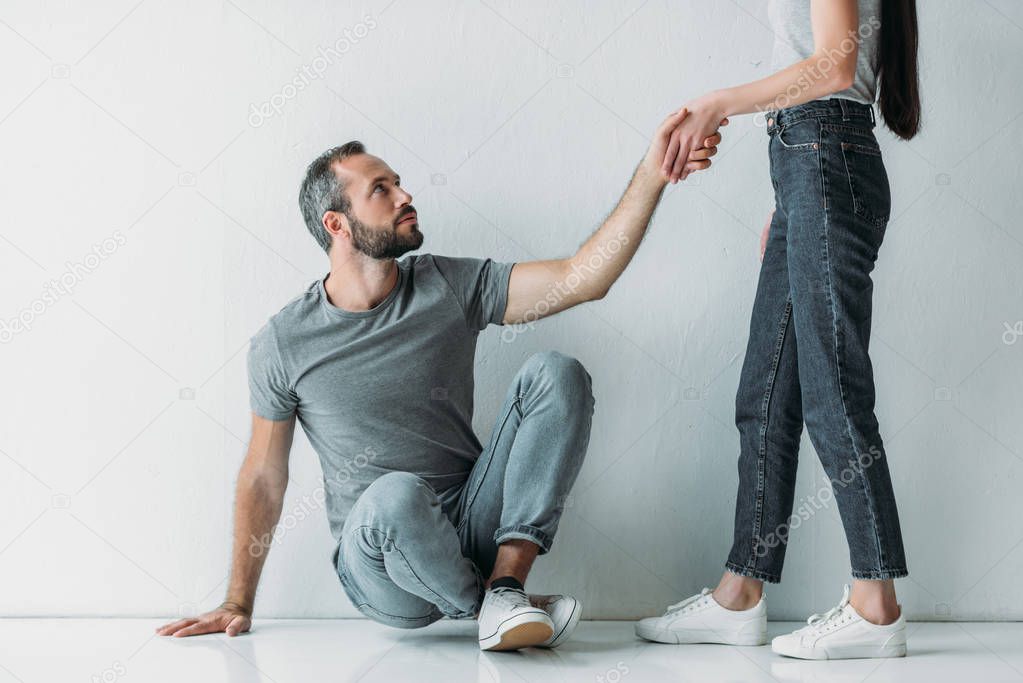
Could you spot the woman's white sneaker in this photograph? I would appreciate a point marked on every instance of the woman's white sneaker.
(700, 619)
(841, 633)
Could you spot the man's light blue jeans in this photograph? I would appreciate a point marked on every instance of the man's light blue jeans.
(408, 557)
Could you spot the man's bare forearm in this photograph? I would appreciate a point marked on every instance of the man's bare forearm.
(257, 509)
(604, 256)
(259, 497)
(538, 289)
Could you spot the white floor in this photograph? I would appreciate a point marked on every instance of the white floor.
(109, 650)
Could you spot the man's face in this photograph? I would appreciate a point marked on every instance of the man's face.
(383, 222)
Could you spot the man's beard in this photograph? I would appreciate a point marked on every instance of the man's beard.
(383, 242)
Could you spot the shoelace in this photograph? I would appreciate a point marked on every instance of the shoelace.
(679, 606)
(823, 622)
(511, 597)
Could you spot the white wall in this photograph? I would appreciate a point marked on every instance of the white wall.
(516, 126)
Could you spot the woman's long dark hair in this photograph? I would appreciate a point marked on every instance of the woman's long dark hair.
(900, 82)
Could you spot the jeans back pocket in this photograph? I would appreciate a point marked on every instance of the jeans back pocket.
(868, 181)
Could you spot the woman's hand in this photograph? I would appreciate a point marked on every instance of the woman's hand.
(699, 158)
(705, 115)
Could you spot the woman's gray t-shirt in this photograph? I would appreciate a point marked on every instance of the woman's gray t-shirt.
(793, 42)
(384, 390)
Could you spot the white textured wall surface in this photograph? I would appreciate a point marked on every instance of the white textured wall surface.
(139, 169)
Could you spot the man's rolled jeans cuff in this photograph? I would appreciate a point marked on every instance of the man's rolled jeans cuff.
(524, 532)
(461, 615)
(454, 613)
(481, 590)
(451, 611)
(398, 621)
(880, 574)
(751, 573)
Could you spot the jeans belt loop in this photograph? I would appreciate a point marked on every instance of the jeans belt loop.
(845, 112)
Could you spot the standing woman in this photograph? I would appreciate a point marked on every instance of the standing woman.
(807, 358)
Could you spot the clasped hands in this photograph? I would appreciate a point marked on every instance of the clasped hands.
(685, 141)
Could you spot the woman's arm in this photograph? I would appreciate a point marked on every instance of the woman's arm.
(830, 69)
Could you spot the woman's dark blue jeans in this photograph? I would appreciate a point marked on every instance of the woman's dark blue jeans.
(807, 359)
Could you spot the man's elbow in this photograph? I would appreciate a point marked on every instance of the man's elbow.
(263, 479)
(598, 294)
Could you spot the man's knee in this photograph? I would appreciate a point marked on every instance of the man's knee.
(398, 495)
(564, 374)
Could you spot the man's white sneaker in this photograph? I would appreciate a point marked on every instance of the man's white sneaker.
(841, 633)
(564, 611)
(700, 619)
(508, 621)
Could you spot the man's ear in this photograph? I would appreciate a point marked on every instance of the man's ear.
(336, 224)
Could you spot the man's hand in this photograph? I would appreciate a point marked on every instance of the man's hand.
(705, 116)
(259, 497)
(666, 143)
(229, 618)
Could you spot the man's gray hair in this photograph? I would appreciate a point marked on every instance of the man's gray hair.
(322, 191)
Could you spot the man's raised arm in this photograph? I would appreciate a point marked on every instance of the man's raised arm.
(540, 288)
(259, 497)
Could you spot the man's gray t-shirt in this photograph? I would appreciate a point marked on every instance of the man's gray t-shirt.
(384, 390)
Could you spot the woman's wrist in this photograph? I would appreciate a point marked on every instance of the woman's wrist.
(723, 102)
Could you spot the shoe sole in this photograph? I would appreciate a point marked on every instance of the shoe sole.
(527, 632)
(696, 637)
(852, 652)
